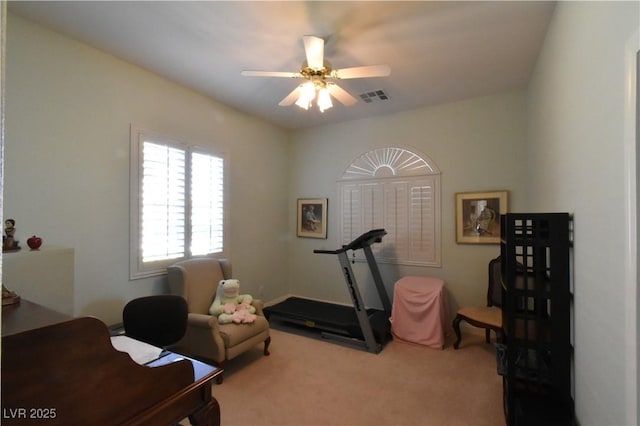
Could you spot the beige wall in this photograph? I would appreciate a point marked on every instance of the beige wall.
(577, 159)
(69, 108)
(66, 178)
(478, 145)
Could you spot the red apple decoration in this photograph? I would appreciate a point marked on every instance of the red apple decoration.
(34, 242)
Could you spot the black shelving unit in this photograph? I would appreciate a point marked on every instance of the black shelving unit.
(536, 357)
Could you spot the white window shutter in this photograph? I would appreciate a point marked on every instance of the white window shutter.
(372, 209)
(397, 190)
(177, 202)
(163, 211)
(422, 222)
(207, 183)
(351, 212)
(395, 243)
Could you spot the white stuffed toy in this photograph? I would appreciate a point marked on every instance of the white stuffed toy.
(231, 306)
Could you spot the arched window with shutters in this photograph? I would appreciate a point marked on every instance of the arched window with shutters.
(398, 190)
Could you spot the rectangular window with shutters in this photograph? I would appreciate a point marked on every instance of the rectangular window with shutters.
(407, 208)
(177, 202)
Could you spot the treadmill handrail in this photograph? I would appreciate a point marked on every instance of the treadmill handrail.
(329, 251)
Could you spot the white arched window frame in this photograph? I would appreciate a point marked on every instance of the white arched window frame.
(398, 190)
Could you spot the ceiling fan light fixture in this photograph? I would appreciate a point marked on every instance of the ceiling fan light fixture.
(307, 94)
(324, 99)
(303, 103)
(319, 73)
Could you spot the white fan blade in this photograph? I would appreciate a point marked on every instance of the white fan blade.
(362, 72)
(291, 97)
(270, 74)
(314, 49)
(342, 95)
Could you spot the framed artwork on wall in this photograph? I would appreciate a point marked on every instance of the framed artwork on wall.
(312, 217)
(478, 216)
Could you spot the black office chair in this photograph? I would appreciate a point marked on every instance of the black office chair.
(158, 320)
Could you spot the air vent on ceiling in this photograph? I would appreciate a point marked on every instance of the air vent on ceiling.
(374, 96)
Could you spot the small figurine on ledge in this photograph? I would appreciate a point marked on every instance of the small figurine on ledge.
(9, 297)
(9, 242)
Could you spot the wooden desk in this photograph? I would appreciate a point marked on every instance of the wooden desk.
(69, 373)
(27, 315)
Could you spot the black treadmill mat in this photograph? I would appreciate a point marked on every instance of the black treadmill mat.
(337, 316)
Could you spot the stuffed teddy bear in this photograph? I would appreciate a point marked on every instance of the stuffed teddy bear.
(231, 306)
(244, 314)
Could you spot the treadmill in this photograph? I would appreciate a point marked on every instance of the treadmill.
(367, 329)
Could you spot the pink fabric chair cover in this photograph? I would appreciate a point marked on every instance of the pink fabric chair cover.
(420, 311)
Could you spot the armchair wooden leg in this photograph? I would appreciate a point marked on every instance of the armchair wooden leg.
(456, 329)
(266, 345)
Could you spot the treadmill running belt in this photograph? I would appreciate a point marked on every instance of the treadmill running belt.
(322, 315)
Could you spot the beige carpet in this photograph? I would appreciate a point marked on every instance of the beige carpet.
(312, 382)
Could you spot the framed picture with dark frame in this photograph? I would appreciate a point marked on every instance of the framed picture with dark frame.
(478, 216)
(312, 217)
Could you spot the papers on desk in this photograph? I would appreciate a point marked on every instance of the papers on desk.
(139, 351)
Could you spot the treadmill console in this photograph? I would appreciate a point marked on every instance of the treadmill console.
(366, 239)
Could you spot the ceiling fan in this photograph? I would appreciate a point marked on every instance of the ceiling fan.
(320, 78)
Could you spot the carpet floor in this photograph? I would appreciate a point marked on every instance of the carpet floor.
(308, 381)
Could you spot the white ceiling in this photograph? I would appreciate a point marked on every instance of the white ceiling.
(438, 51)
